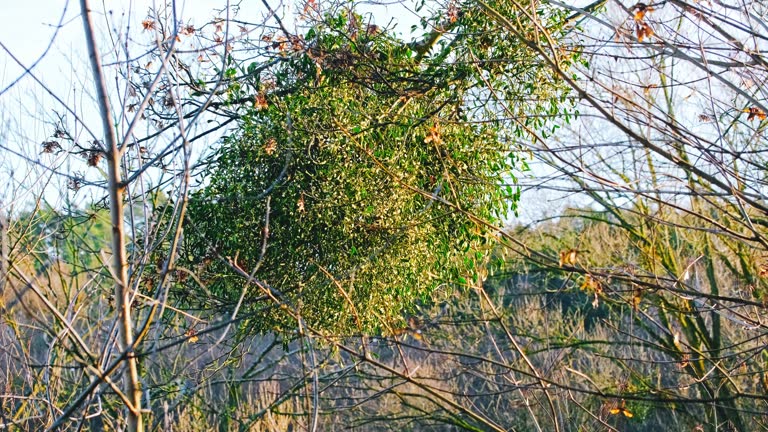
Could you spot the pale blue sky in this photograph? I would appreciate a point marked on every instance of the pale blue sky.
(27, 110)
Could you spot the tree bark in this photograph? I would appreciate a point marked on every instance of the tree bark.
(3, 249)
(113, 154)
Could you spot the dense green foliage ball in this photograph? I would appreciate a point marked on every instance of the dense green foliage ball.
(374, 169)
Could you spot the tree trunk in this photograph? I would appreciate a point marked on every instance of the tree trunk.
(119, 256)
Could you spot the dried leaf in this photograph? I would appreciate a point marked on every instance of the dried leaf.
(636, 297)
(297, 43)
(260, 102)
(591, 285)
(270, 146)
(640, 10)
(399, 331)
(75, 182)
(51, 146)
(434, 135)
(762, 267)
(191, 335)
(181, 276)
(453, 12)
(763, 271)
(755, 112)
(187, 30)
(148, 24)
(94, 157)
(372, 30)
(568, 257)
(310, 5)
(168, 101)
(413, 323)
(643, 31)
(280, 44)
(622, 409)
(218, 24)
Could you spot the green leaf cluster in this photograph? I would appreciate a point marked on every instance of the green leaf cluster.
(374, 174)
